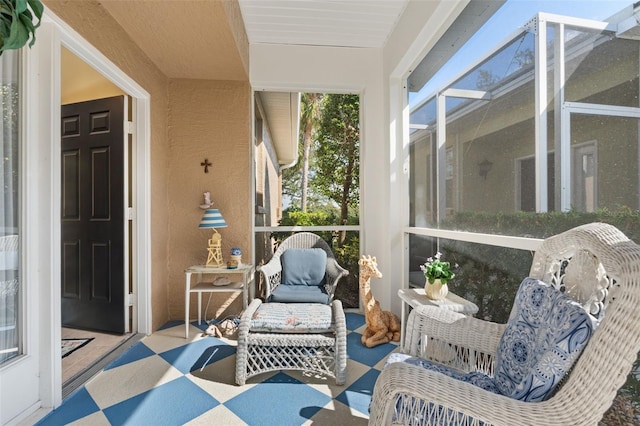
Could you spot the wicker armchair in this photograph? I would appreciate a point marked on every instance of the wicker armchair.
(272, 271)
(595, 265)
(297, 330)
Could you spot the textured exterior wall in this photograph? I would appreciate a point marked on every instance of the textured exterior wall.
(208, 119)
(236, 25)
(93, 23)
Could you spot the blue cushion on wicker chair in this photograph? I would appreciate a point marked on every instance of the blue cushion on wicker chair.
(304, 266)
(475, 377)
(545, 335)
(300, 294)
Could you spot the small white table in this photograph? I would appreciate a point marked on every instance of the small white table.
(415, 297)
(201, 286)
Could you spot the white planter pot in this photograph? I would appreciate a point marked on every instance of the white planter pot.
(436, 291)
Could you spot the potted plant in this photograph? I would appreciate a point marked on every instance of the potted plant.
(17, 22)
(437, 274)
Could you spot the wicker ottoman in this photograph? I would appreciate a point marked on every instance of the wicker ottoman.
(292, 336)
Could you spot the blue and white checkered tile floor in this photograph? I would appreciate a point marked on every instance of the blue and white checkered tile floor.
(167, 380)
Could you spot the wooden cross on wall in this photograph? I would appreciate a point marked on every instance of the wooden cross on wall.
(206, 165)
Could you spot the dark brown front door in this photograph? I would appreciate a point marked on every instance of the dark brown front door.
(93, 217)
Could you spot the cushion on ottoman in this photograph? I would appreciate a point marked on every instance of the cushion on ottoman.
(292, 318)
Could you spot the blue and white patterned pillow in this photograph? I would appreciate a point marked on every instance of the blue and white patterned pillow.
(545, 335)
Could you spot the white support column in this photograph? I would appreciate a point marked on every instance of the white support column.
(398, 214)
(541, 115)
(562, 145)
(441, 189)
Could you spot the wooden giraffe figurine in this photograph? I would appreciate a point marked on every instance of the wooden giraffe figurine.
(382, 326)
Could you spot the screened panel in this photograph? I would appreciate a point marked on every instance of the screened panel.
(508, 64)
(485, 146)
(10, 288)
(423, 116)
(601, 69)
(488, 276)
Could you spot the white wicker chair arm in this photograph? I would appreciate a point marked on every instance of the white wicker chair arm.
(340, 323)
(272, 274)
(450, 327)
(245, 319)
(459, 397)
(333, 274)
(338, 315)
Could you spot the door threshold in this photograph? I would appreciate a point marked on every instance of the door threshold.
(79, 379)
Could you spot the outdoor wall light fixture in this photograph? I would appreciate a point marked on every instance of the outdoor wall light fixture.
(484, 168)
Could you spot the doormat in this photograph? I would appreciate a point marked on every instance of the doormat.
(71, 345)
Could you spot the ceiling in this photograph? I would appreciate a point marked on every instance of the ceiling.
(193, 38)
(340, 23)
(184, 39)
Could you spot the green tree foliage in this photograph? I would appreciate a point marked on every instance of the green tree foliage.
(295, 180)
(337, 167)
(311, 106)
(291, 182)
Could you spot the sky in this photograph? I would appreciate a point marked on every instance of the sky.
(511, 16)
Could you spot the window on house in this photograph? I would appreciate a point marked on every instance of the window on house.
(527, 183)
(10, 336)
(584, 178)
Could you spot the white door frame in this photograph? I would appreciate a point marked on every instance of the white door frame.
(41, 210)
(141, 176)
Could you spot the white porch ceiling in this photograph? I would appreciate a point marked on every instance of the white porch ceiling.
(340, 23)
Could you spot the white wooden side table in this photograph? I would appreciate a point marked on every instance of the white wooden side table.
(415, 297)
(201, 286)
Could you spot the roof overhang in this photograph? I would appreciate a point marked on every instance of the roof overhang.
(282, 114)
